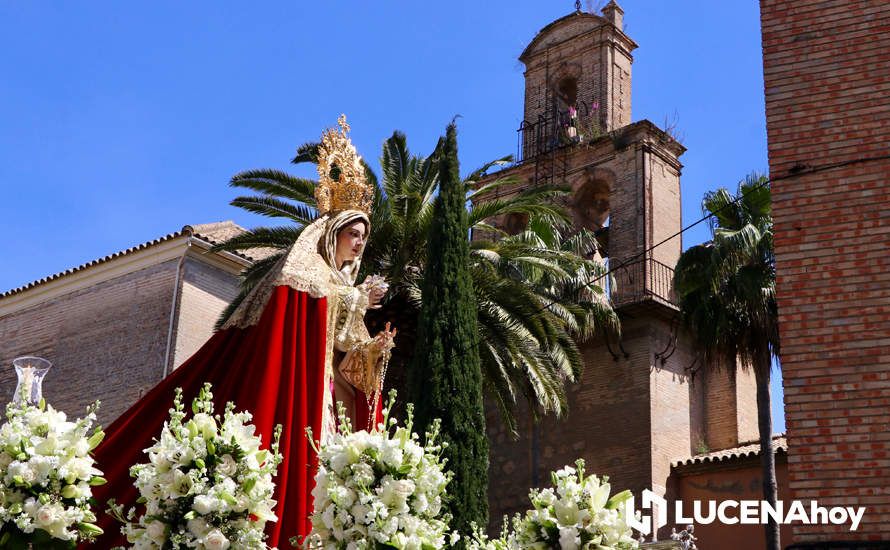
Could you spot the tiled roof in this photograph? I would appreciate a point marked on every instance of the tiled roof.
(212, 233)
(218, 232)
(746, 450)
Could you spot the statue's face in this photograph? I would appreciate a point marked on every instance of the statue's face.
(350, 242)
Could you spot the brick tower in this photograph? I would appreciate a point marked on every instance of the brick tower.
(639, 404)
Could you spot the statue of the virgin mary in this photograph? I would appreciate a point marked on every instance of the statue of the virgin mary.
(295, 345)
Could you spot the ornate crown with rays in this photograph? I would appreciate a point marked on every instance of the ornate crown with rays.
(350, 191)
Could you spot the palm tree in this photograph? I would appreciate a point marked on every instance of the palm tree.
(535, 302)
(727, 293)
(534, 295)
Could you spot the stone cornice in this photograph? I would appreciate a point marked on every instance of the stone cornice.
(659, 142)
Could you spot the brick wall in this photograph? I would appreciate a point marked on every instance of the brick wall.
(827, 83)
(205, 293)
(671, 404)
(730, 407)
(607, 391)
(106, 341)
(664, 216)
(746, 411)
(629, 417)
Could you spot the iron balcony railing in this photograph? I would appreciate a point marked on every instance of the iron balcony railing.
(550, 130)
(642, 280)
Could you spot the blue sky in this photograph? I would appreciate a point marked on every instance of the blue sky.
(122, 122)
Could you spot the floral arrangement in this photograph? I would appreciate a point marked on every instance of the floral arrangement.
(576, 514)
(207, 484)
(46, 474)
(479, 540)
(380, 489)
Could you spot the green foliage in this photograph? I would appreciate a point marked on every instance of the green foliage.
(12, 538)
(535, 301)
(727, 287)
(446, 379)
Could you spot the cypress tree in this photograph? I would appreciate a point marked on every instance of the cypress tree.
(445, 377)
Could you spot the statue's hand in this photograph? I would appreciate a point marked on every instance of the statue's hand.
(375, 295)
(375, 287)
(386, 337)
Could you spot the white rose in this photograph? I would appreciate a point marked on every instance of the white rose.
(215, 540)
(227, 466)
(47, 515)
(198, 527)
(156, 531)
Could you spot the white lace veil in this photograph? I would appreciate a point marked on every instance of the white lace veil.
(308, 266)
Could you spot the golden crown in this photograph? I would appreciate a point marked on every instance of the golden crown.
(350, 191)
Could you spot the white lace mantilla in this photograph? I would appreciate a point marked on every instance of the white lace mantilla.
(302, 268)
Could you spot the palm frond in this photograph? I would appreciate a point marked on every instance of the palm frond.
(276, 208)
(230, 309)
(478, 173)
(307, 152)
(278, 184)
(395, 161)
(261, 237)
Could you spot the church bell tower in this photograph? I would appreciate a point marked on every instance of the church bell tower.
(639, 404)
